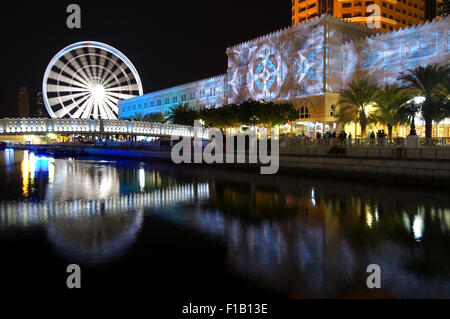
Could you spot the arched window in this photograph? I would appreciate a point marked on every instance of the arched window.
(304, 112)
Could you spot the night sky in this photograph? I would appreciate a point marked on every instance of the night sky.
(169, 42)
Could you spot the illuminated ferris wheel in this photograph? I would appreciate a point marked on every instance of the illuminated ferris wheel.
(87, 80)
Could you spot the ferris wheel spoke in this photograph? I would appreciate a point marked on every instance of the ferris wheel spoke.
(77, 77)
(95, 111)
(113, 106)
(128, 87)
(110, 109)
(121, 95)
(85, 66)
(102, 63)
(104, 76)
(68, 108)
(91, 57)
(119, 84)
(119, 70)
(81, 72)
(82, 108)
(113, 82)
(112, 99)
(53, 88)
(86, 112)
(101, 108)
(108, 75)
(77, 66)
(65, 98)
(64, 68)
(104, 110)
(112, 76)
(57, 77)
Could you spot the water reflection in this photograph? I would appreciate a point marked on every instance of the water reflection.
(317, 241)
(92, 239)
(303, 238)
(87, 217)
(9, 157)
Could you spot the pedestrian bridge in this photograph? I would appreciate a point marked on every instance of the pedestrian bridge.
(27, 126)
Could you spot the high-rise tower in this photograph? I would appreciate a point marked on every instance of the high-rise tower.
(444, 7)
(23, 102)
(393, 14)
(39, 105)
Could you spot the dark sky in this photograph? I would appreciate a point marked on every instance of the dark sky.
(169, 42)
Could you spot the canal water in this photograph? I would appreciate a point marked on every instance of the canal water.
(183, 231)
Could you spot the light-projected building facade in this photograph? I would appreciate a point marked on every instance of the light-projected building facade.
(308, 65)
(203, 93)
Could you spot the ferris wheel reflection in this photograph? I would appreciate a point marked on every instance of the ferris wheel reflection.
(91, 212)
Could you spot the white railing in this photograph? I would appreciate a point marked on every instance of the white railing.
(88, 126)
(363, 142)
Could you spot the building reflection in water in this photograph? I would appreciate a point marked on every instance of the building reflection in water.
(320, 245)
(306, 239)
(86, 217)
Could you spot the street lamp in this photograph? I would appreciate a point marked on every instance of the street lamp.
(414, 105)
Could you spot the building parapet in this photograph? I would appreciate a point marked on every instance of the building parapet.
(324, 18)
(384, 36)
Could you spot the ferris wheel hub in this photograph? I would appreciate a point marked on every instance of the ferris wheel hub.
(98, 92)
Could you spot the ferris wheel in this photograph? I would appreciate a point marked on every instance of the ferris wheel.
(87, 80)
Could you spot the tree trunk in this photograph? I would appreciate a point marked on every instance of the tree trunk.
(389, 126)
(363, 129)
(428, 131)
(363, 124)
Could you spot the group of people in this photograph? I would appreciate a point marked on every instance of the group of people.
(379, 137)
(380, 134)
(341, 137)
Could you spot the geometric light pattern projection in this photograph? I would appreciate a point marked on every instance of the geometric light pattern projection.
(277, 66)
(382, 57)
(264, 72)
(87, 80)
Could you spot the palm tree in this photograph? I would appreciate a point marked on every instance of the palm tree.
(430, 82)
(182, 114)
(445, 102)
(388, 105)
(447, 107)
(409, 111)
(155, 118)
(355, 102)
(138, 117)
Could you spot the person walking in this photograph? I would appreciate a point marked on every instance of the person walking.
(372, 138)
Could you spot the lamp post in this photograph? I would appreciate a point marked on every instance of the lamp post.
(412, 140)
(254, 120)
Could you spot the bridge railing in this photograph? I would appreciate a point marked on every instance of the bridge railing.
(43, 125)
